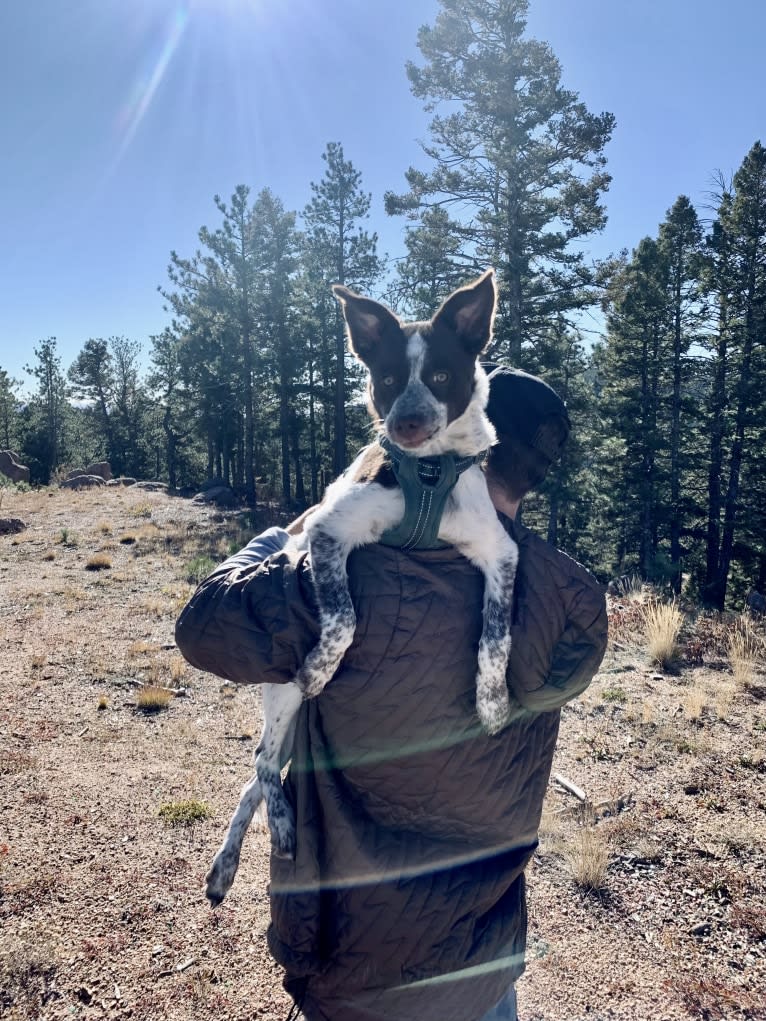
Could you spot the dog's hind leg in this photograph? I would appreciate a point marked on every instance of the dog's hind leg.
(226, 862)
(219, 879)
(281, 703)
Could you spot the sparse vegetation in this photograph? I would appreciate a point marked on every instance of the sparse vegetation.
(141, 510)
(152, 698)
(198, 569)
(744, 650)
(586, 857)
(98, 562)
(688, 747)
(185, 813)
(663, 622)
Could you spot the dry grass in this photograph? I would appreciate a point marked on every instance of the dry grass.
(178, 669)
(98, 562)
(744, 651)
(152, 698)
(662, 624)
(586, 857)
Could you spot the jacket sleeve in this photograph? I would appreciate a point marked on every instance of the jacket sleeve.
(253, 620)
(559, 637)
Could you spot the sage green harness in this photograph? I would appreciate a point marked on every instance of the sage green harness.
(426, 482)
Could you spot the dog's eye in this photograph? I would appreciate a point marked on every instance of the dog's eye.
(388, 380)
(440, 377)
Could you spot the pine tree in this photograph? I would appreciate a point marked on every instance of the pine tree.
(46, 435)
(338, 242)
(9, 411)
(680, 245)
(742, 236)
(517, 158)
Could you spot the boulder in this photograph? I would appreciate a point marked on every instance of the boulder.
(83, 482)
(221, 496)
(152, 487)
(100, 468)
(756, 603)
(123, 480)
(10, 466)
(10, 526)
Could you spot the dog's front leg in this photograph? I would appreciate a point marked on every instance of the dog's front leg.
(470, 523)
(359, 515)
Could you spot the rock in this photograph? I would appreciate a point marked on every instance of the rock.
(12, 468)
(10, 526)
(221, 496)
(701, 929)
(755, 603)
(151, 486)
(123, 480)
(100, 468)
(83, 482)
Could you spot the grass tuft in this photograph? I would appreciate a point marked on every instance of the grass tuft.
(587, 858)
(99, 562)
(662, 626)
(743, 655)
(198, 569)
(152, 699)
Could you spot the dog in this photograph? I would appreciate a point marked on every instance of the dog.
(428, 394)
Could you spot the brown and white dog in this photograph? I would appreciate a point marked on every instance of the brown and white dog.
(428, 395)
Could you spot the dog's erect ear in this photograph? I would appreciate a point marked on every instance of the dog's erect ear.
(367, 321)
(469, 312)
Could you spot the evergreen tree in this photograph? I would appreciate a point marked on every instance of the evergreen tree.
(92, 378)
(47, 413)
(631, 371)
(215, 306)
(9, 411)
(741, 246)
(680, 244)
(518, 158)
(433, 267)
(338, 242)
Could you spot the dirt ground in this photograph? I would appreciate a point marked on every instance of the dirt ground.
(101, 906)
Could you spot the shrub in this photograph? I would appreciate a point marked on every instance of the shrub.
(184, 813)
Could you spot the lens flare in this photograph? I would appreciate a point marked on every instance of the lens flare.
(147, 85)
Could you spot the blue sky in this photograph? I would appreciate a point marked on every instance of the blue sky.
(120, 119)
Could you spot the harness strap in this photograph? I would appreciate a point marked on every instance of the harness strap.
(426, 482)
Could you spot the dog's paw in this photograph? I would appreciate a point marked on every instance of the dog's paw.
(283, 839)
(220, 877)
(493, 708)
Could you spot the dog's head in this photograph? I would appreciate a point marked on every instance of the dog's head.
(424, 376)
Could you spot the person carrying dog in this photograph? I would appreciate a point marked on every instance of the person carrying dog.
(406, 898)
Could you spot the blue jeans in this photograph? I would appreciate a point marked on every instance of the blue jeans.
(505, 1010)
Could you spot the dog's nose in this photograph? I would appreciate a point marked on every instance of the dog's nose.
(409, 431)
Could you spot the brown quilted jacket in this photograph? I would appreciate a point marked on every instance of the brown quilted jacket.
(406, 899)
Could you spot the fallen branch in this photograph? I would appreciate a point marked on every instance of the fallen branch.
(570, 787)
